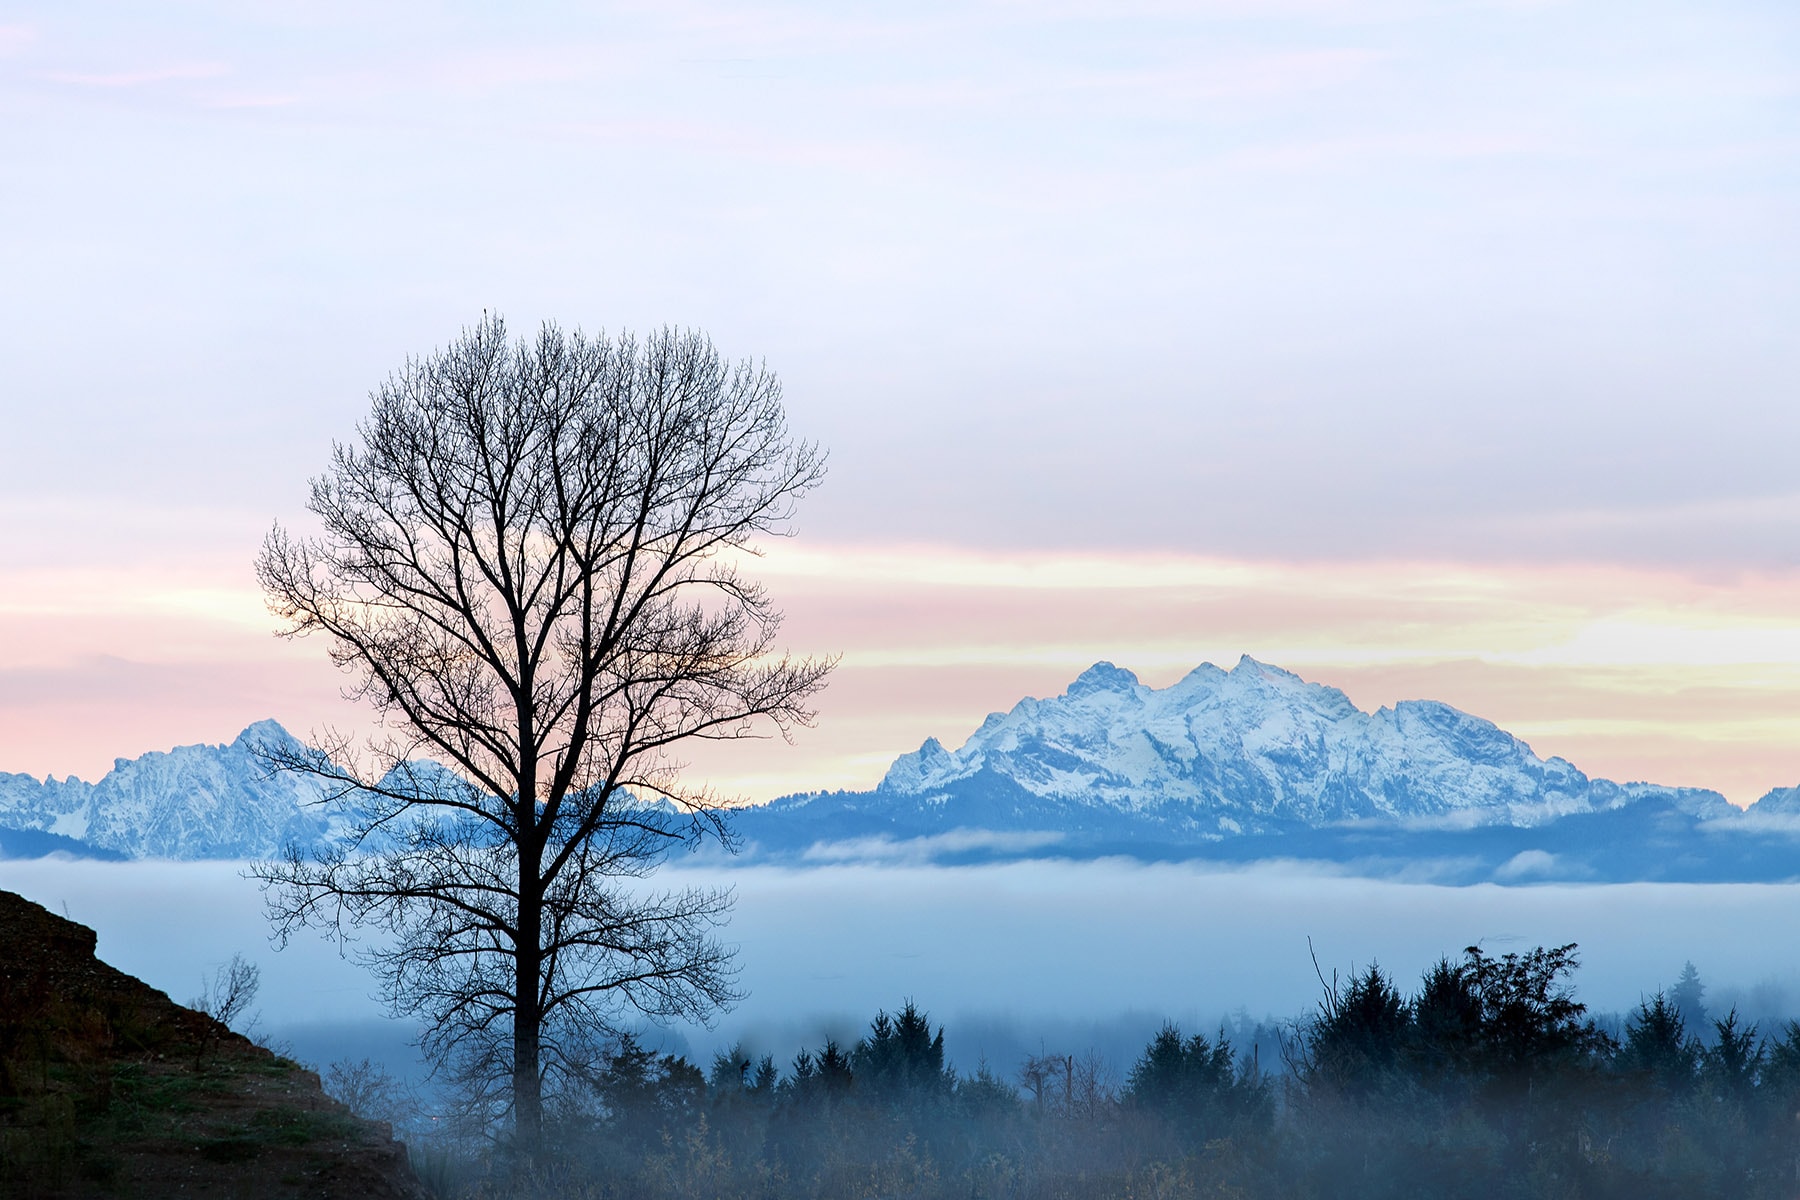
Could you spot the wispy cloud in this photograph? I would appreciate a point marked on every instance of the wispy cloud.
(220, 602)
(1629, 673)
(14, 38)
(1394, 147)
(1151, 87)
(140, 77)
(922, 850)
(254, 100)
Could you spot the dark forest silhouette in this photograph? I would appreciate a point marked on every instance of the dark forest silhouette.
(1487, 1079)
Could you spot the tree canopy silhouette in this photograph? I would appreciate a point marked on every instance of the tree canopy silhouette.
(527, 561)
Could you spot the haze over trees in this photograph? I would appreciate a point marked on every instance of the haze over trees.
(526, 563)
(1488, 1078)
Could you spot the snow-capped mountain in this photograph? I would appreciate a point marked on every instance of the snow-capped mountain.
(1255, 762)
(1249, 763)
(194, 802)
(189, 802)
(1257, 746)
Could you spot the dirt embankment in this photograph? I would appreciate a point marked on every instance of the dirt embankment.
(109, 1089)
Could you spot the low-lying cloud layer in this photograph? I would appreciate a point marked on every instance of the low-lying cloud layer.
(1006, 956)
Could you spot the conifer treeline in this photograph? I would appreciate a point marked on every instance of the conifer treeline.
(1489, 1079)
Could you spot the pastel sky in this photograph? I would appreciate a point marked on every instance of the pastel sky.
(1425, 349)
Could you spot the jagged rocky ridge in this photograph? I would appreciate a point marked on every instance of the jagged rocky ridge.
(189, 802)
(196, 802)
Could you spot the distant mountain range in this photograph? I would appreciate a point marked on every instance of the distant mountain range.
(1239, 765)
(1257, 763)
(189, 802)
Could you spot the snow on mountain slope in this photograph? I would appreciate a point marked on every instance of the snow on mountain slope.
(189, 802)
(200, 801)
(1256, 747)
(1778, 803)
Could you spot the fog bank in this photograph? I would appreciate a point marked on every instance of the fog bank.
(1004, 955)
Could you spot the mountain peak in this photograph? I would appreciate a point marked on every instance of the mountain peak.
(910, 772)
(1103, 677)
(1263, 670)
(267, 732)
(1257, 746)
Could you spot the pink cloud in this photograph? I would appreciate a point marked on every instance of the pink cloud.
(1630, 674)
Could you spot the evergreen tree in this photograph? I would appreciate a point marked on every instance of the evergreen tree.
(1356, 1041)
(730, 1070)
(1687, 998)
(901, 1060)
(1447, 1026)
(1196, 1083)
(1657, 1046)
(645, 1095)
(1732, 1065)
(1779, 1079)
(985, 1094)
(835, 1074)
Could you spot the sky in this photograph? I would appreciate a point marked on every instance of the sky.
(1425, 349)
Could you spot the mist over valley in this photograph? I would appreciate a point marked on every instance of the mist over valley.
(1011, 957)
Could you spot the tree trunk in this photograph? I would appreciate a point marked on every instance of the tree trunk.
(528, 1017)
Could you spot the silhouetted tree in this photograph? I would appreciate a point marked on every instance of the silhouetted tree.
(1733, 1064)
(1355, 1043)
(226, 998)
(1781, 1067)
(900, 1059)
(1688, 997)
(734, 1072)
(1531, 1022)
(1039, 1076)
(1179, 1073)
(817, 1077)
(1657, 1046)
(645, 1095)
(526, 564)
(1446, 1044)
(1197, 1083)
(1555, 1123)
(984, 1095)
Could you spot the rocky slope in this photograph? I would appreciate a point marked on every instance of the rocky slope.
(107, 1088)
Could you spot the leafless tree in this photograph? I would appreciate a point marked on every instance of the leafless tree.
(1071, 1087)
(528, 564)
(226, 997)
(230, 992)
(370, 1092)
